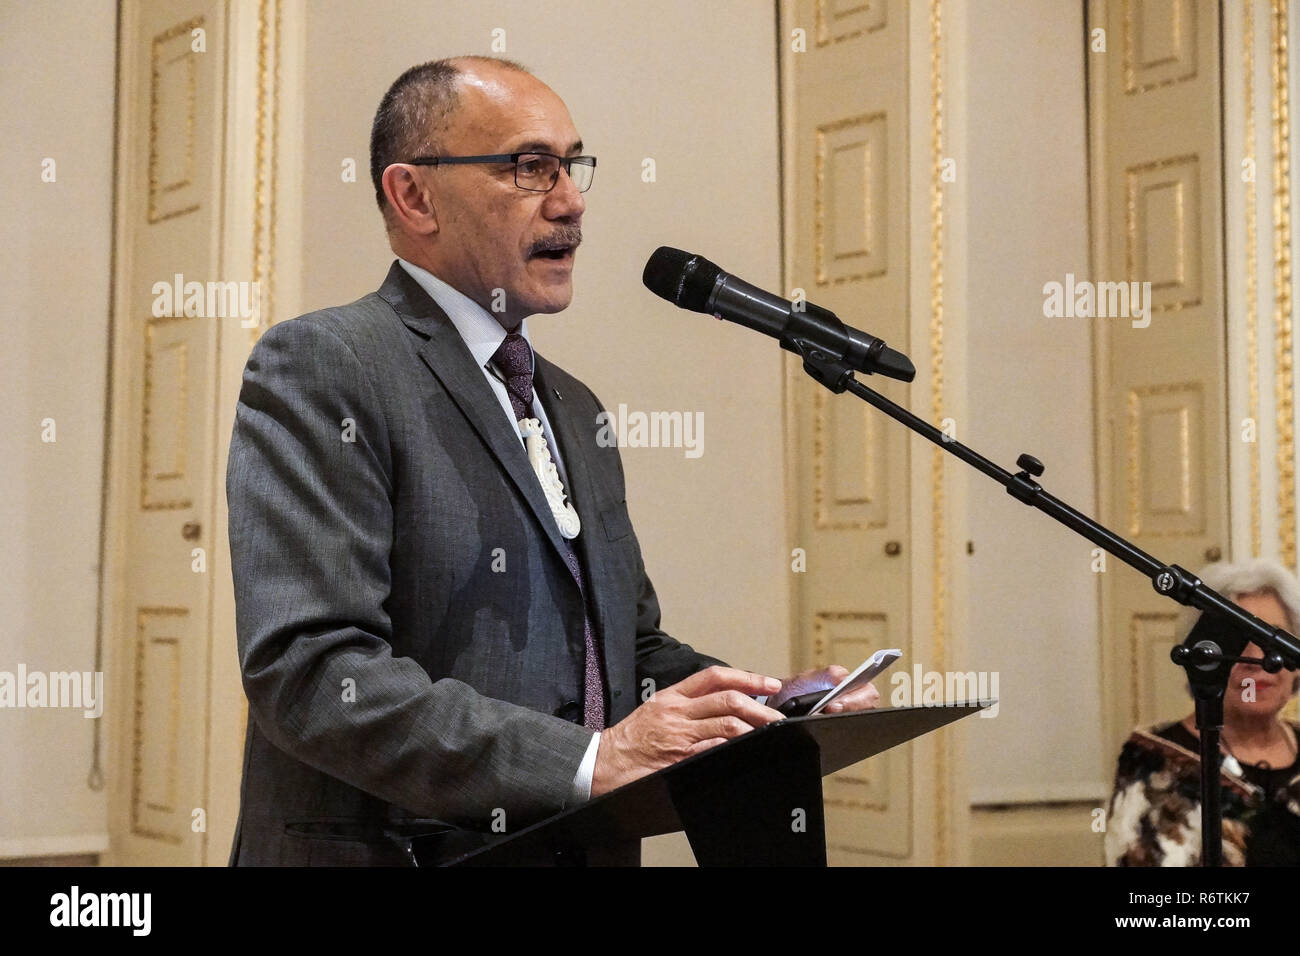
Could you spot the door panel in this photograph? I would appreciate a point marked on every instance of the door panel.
(171, 115)
(848, 155)
(1157, 171)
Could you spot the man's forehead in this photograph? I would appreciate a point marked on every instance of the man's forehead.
(512, 112)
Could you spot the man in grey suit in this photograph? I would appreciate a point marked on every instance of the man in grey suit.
(445, 625)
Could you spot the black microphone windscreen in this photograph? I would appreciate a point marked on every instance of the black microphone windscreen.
(683, 279)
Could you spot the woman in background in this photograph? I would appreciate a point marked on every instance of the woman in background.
(1154, 817)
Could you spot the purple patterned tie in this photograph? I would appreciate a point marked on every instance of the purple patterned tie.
(515, 359)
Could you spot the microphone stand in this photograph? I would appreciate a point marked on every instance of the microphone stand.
(1215, 642)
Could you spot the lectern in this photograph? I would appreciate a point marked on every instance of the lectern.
(753, 801)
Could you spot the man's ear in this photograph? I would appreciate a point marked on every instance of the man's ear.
(410, 203)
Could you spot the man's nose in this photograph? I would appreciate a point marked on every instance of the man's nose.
(564, 199)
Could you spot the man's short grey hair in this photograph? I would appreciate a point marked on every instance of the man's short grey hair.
(414, 113)
(1233, 580)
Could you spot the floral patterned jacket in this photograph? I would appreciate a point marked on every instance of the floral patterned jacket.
(1154, 817)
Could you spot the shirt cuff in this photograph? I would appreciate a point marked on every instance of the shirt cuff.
(586, 769)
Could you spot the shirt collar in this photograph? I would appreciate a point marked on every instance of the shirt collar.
(481, 333)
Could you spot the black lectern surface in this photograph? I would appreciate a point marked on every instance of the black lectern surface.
(755, 800)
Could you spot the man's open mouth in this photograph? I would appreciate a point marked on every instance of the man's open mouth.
(556, 253)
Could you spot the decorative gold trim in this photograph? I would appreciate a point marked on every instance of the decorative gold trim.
(137, 769)
(155, 190)
(939, 567)
(1286, 511)
(1134, 462)
(821, 646)
(1130, 74)
(1252, 285)
(187, 177)
(823, 32)
(846, 803)
(268, 127)
(860, 851)
(821, 512)
(177, 467)
(1136, 674)
(1131, 175)
(819, 201)
(171, 504)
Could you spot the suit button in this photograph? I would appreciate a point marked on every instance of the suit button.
(570, 710)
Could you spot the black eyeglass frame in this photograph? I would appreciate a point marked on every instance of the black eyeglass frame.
(565, 163)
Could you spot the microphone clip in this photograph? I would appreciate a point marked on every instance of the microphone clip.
(829, 370)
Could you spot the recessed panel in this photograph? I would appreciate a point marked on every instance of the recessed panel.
(1159, 691)
(167, 480)
(850, 464)
(156, 724)
(850, 192)
(1166, 450)
(1166, 436)
(173, 109)
(1162, 231)
(839, 20)
(1159, 43)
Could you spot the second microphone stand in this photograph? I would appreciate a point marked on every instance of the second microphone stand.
(1214, 644)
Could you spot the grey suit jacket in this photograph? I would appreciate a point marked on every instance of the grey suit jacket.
(410, 638)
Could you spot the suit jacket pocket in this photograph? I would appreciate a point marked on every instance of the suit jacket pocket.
(616, 521)
(343, 842)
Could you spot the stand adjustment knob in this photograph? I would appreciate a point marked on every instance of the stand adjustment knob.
(1032, 465)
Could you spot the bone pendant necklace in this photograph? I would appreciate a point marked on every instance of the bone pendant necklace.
(539, 456)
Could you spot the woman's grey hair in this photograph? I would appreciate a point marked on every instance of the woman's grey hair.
(1232, 580)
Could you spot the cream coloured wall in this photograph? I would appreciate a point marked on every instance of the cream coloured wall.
(1033, 595)
(56, 68)
(694, 88)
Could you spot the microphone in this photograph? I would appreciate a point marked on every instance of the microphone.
(693, 282)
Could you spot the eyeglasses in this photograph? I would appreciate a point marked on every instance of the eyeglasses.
(538, 172)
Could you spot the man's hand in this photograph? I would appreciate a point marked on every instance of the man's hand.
(700, 712)
(863, 697)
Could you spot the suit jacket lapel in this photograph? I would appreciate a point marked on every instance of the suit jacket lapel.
(450, 360)
(581, 492)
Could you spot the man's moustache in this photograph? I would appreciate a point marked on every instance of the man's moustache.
(560, 241)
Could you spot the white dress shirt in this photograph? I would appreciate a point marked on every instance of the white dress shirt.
(483, 335)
